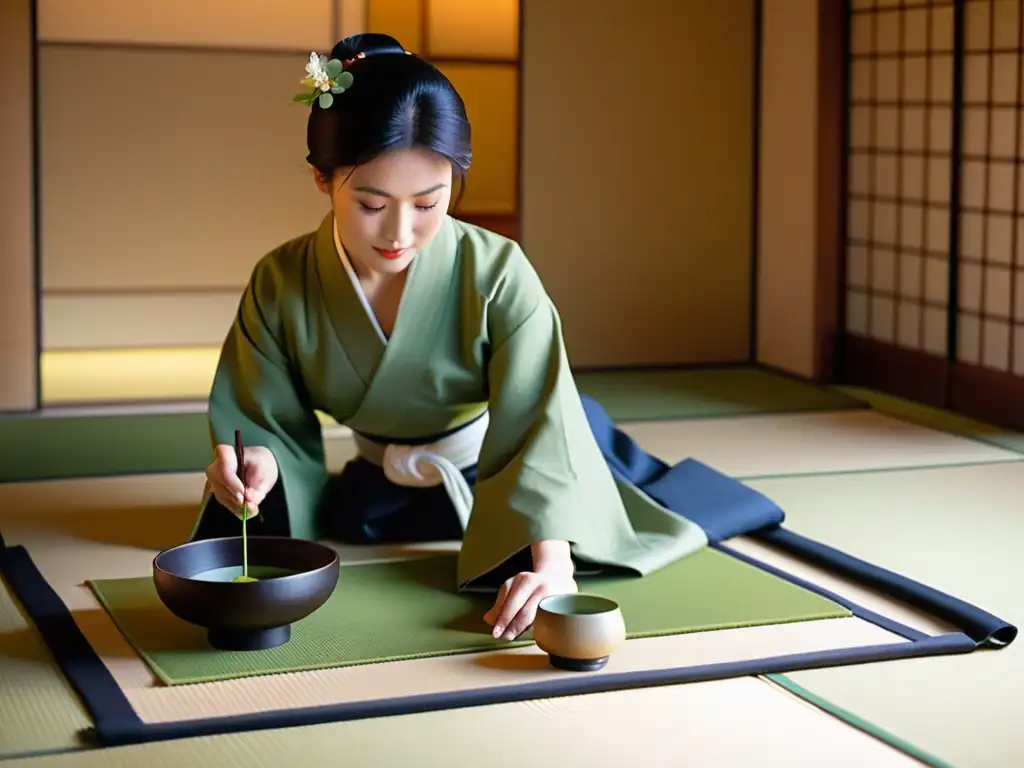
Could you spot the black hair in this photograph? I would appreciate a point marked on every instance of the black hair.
(396, 101)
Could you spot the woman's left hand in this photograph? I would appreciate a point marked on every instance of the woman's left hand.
(514, 610)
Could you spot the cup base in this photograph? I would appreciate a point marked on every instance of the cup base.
(577, 665)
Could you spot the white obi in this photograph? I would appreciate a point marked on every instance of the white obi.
(431, 464)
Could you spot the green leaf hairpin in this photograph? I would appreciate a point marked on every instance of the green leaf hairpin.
(324, 78)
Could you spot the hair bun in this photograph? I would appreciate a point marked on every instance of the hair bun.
(368, 44)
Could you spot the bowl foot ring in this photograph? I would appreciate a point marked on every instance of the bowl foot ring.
(578, 665)
(249, 639)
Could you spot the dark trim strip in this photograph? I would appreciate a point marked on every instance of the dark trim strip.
(37, 204)
(830, 181)
(250, 50)
(119, 733)
(84, 669)
(955, 175)
(859, 611)
(987, 394)
(520, 121)
(116, 723)
(755, 185)
(144, 290)
(909, 373)
(981, 626)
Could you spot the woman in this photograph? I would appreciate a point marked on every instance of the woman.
(435, 342)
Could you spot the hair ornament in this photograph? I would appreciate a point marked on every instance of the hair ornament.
(324, 79)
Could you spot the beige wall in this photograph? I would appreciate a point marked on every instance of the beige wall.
(174, 158)
(788, 180)
(636, 173)
(18, 361)
(295, 25)
(153, 204)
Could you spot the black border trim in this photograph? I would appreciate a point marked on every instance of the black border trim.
(755, 187)
(117, 724)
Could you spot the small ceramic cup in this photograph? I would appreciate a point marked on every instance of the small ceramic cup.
(578, 631)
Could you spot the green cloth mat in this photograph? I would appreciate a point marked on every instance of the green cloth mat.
(407, 609)
(659, 395)
(57, 446)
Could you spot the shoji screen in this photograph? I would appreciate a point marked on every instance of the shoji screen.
(990, 307)
(935, 215)
(901, 83)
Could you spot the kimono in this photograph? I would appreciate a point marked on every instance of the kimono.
(476, 352)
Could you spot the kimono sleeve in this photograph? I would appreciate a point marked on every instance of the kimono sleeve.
(258, 390)
(541, 474)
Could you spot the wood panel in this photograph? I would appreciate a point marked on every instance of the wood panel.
(470, 29)
(787, 194)
(491, 95)
(177, 188)
(637, 176)
(155, 211)
(18, 332)
(402, 19)
(300, 25)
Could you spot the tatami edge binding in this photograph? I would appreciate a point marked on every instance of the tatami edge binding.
(116, 723)
(855, 721)
(891, 625)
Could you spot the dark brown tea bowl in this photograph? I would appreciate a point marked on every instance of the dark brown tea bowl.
(295, 577)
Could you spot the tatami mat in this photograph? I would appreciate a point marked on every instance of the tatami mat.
(953, 525)
(744, 447)
(132, 437)
(741, 722)
(957, 529)
(38, 709)
(66, 561)
(692, 393)
(938, 418)
(111, 526)
(808, 443)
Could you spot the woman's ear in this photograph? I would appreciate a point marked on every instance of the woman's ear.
(321, 182)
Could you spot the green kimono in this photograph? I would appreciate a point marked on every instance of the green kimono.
(475, 331)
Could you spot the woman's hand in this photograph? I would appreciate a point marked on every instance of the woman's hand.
(516, 607)
(260, 474)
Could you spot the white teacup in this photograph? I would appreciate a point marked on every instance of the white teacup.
(578, 631)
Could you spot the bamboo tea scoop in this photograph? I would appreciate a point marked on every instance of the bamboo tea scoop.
(240, 456)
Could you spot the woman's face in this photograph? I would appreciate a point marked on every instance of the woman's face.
(390, 208)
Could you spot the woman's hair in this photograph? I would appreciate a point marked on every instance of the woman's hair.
(396, 101)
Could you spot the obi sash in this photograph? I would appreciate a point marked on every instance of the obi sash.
(438, 462)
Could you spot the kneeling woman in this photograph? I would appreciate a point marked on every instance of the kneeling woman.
(435, 342)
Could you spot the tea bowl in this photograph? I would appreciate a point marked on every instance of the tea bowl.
(295, 578)
(578, 632)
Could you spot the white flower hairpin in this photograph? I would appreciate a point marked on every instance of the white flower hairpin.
(325, 78)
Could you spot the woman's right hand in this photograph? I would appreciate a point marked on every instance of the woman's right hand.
(260, 474)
